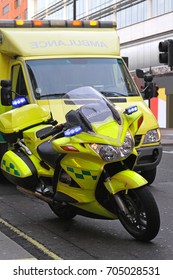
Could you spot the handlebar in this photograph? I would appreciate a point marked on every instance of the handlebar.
(61, 131)
(56, 130)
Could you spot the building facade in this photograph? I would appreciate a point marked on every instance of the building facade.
(13, 9)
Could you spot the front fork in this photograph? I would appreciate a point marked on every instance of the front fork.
(123, 181)
(120, 204)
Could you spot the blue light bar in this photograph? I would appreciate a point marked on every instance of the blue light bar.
(131, 110)
(73, 131)
(19, 102)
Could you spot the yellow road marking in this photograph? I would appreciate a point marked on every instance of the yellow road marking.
(31, 240)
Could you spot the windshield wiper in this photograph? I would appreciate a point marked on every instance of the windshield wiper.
(40, 96)
(112, 93)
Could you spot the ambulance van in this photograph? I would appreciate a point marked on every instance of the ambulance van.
(43, 60)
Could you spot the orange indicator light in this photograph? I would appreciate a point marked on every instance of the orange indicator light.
(69, 149)
(77, 23)
(37, 22)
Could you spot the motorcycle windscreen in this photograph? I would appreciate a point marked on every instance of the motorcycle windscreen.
(95, 110)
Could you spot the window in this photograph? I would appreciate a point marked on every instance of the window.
(51, 78)
(6, 9)
(16, 3)
(18, 81)
(133, 14)
(161, 7)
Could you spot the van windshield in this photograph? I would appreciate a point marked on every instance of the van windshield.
(52, 78)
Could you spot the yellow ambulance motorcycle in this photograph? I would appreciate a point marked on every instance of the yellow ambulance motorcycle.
(83, 166)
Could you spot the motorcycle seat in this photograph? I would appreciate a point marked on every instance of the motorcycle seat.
(48, 154)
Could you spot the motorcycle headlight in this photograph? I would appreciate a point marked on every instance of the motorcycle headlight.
(109, 153)
(112, 153)
(152, 136)
(128, 145)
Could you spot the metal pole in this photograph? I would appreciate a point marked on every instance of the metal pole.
(74, 9)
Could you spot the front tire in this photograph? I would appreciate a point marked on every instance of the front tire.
(142, 219)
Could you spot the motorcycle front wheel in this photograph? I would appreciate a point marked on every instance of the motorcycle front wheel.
(141, 218)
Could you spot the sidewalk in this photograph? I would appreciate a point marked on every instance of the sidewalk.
(167, 136)
(10, 250)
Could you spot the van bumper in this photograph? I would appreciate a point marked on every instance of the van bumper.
(148, 158)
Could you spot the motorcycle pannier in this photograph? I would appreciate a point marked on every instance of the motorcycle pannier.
(18, 169)
(14, 122)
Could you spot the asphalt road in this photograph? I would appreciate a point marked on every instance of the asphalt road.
(42, 234)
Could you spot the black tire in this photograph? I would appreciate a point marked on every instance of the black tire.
(63, 211)
(143, 219)
(149, 175)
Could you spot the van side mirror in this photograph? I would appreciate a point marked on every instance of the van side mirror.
(6, 92)
(140, 73)
(150, 89)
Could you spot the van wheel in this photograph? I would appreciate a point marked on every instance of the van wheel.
(149, 175)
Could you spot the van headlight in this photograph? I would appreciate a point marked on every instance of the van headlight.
(152, 136)
(112, 153)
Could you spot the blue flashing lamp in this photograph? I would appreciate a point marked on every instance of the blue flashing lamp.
(73, 131)
(131, 110)
(19, 102)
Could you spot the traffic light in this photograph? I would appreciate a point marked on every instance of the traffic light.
(166, 52)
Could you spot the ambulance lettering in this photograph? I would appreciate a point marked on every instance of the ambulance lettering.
(71, 43)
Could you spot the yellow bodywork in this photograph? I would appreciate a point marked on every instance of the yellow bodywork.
(61, 41)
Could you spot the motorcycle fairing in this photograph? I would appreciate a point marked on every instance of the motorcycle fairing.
(85, 193)
(85, 200)
(96, 208)
(84, 171)
(31, 136)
